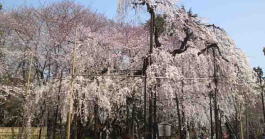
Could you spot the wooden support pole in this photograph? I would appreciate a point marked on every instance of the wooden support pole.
(71, 93)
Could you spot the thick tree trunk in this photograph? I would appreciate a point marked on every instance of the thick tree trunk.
(146, 62)
(215, 97)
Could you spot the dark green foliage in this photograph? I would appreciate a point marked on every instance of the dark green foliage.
(1, 6)
(11, 109)
(259, 71)
(191, 14)
(159, 24)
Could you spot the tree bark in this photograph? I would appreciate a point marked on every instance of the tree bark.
(215, 97)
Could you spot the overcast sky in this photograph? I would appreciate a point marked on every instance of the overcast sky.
(244, 20)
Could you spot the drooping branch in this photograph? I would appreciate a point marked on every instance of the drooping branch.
(212, 45)
(184, 46)
(214, 26)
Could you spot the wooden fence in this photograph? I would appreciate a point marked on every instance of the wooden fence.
(14, 132)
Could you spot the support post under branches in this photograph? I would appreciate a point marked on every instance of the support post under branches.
(216, 119)
(262, 99)
(71, 93)
(211, 113)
